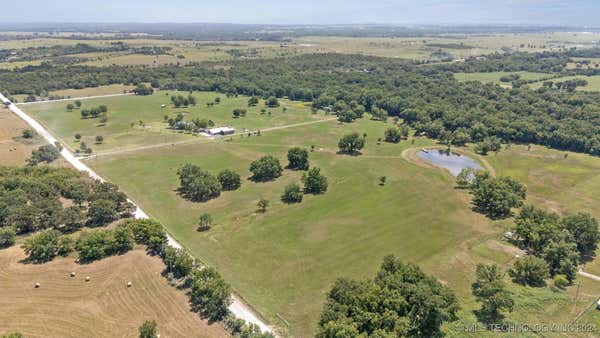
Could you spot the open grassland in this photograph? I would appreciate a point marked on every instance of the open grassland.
(593, 82)
(564, 185)
(135, 121)
(67, 306)
(284, 261)
(14, 149)
(494, 77)
(457, 46)
(83, 92)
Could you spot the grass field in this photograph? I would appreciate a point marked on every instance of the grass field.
(494, 77)
(416, 48)
(67, 306)
(15, 150)
(284, 261)
(566, 185)
(593, 82)
(139, 121)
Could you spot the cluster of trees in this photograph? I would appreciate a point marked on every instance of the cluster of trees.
(183, 101)
(31, 200)
(559, 244)
(395, 135)
(401, 301)
(568, 85)
(208, 291)
(94, 112)
(142, 89)
(492, 196)
(200, 185)
(195, 125)
(489, 143)
(46, 153)
(44, 246)
(428, 98)
(239, 112)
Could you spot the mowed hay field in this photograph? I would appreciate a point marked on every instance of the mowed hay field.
(135, 121)
(67, 306)
(14, 150)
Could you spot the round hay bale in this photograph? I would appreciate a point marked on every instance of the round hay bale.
(129, 284)
(72, 273)
(87, 278)
(37, 285)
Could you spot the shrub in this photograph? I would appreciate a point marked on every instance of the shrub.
(265, 169)
(7, 237)
(229, 179)
(205, 222)
(262, 205)
(28, 133)
(561, 281)
(148, 329)
(292, 194)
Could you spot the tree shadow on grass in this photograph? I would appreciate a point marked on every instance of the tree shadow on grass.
(353, 153)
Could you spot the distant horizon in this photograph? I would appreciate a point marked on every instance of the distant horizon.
(311, 12)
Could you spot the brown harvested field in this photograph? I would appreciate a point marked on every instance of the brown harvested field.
(13, 149)
(67, 306)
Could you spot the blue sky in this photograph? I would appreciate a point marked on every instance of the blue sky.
(564, 12)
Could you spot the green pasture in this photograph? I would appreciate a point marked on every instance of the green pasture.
(135, 121)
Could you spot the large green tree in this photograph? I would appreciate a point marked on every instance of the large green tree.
(490, 290)
(297, 158)
(401, 301)
(351, 144)
(265, 169)
(495, 197)
(314, 181)
(197, 184)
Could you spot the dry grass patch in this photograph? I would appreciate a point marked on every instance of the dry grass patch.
(65, 306)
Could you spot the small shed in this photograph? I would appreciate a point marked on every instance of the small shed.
(221, 131)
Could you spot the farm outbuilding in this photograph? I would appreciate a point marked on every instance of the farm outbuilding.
(221, 131)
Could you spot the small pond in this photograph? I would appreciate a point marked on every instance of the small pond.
(453, 162)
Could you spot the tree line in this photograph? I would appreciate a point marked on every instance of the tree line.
(427, 97)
